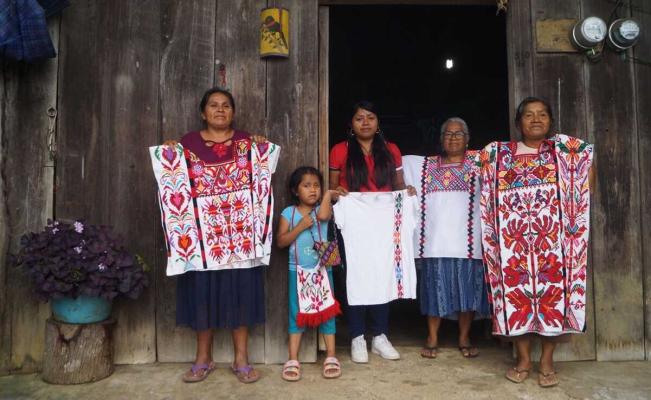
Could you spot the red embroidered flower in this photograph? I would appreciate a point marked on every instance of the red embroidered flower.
(510, 176)
(185, 242)
(169, 154)
(549, 269)
(514, 235)
(197, 169)
(523, 309)
(547, 304)
(220, 149)
(176, 199)
(317, 278)
(217, 252)
(516, 272)
(247, 245)
(546, 232)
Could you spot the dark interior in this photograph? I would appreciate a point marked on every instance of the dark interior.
(396, 57)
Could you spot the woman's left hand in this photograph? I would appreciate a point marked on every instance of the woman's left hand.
(411, 190)
(259, 138)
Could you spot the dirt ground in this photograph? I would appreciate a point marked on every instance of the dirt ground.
(448, 377)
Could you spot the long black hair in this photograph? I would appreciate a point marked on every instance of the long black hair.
(357, 171)
(297, 176)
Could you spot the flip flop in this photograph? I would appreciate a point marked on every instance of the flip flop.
(198, 372)
(548, 379)
(429, 352)
(331, 368)
(469, 351)
(291, 371)
(245, 374)
(517, 375)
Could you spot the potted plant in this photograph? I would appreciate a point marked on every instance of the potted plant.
(81, 268)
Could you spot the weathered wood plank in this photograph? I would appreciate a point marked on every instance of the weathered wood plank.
(324, 91)
(292, 121)
(31, 90)
(241, 71)
(5, 325)
(187, 70)
(560, 79)
(520, 50)
(109, 115)
(616, 247)
(642, 51)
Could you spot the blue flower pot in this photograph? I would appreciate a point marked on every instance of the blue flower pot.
(82, 310)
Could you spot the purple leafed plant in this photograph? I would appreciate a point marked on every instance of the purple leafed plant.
(73, 259)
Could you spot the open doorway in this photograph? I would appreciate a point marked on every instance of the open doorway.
(420, 65)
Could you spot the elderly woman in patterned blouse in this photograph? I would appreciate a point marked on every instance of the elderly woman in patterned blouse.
(448, 242)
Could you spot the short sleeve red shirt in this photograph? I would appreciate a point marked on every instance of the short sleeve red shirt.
(339, 156)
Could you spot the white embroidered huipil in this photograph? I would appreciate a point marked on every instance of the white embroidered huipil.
(216, 216)
(449, 223)
(377, 229)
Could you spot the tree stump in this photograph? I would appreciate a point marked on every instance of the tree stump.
(77, 353)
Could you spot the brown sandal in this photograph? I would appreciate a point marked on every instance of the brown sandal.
(429, 352)
(517, 375)
(198, 372)
(469, 351)
(245, 374)
(548, 379)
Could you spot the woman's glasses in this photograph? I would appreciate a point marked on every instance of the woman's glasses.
(453, 135)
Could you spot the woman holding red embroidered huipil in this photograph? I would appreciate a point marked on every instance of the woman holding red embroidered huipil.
(232, 296)
(366, 162)
(535, 206)
(448, 239)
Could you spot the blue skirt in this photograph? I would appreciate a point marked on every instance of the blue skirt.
(452, 285)
(220, 299)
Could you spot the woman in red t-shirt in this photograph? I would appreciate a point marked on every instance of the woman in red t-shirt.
(366, 162)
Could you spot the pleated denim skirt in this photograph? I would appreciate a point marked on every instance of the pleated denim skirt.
(452, 285)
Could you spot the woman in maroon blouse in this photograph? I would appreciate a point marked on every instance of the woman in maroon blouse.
(230, 298)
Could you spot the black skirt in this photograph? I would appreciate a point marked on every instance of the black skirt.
(220, 299)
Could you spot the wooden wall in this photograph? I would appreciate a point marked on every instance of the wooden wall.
(130, 74)
(641, 11)
(603, 103)
(26, 199)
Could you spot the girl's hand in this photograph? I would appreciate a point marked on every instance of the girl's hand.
(341, 190)
(259, 139)
(170, 143)
(411, 191)
(306, 222)
(332, 194)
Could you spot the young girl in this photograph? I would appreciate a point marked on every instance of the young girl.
(300, 226)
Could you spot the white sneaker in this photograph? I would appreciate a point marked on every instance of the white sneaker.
(358, 351)
(383, 348)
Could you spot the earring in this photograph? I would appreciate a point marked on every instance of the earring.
(351, 133)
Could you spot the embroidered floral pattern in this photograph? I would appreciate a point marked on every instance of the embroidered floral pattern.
(437, 177)
(535, 212)
(182, 236)
(216, 214)
(397, 239)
